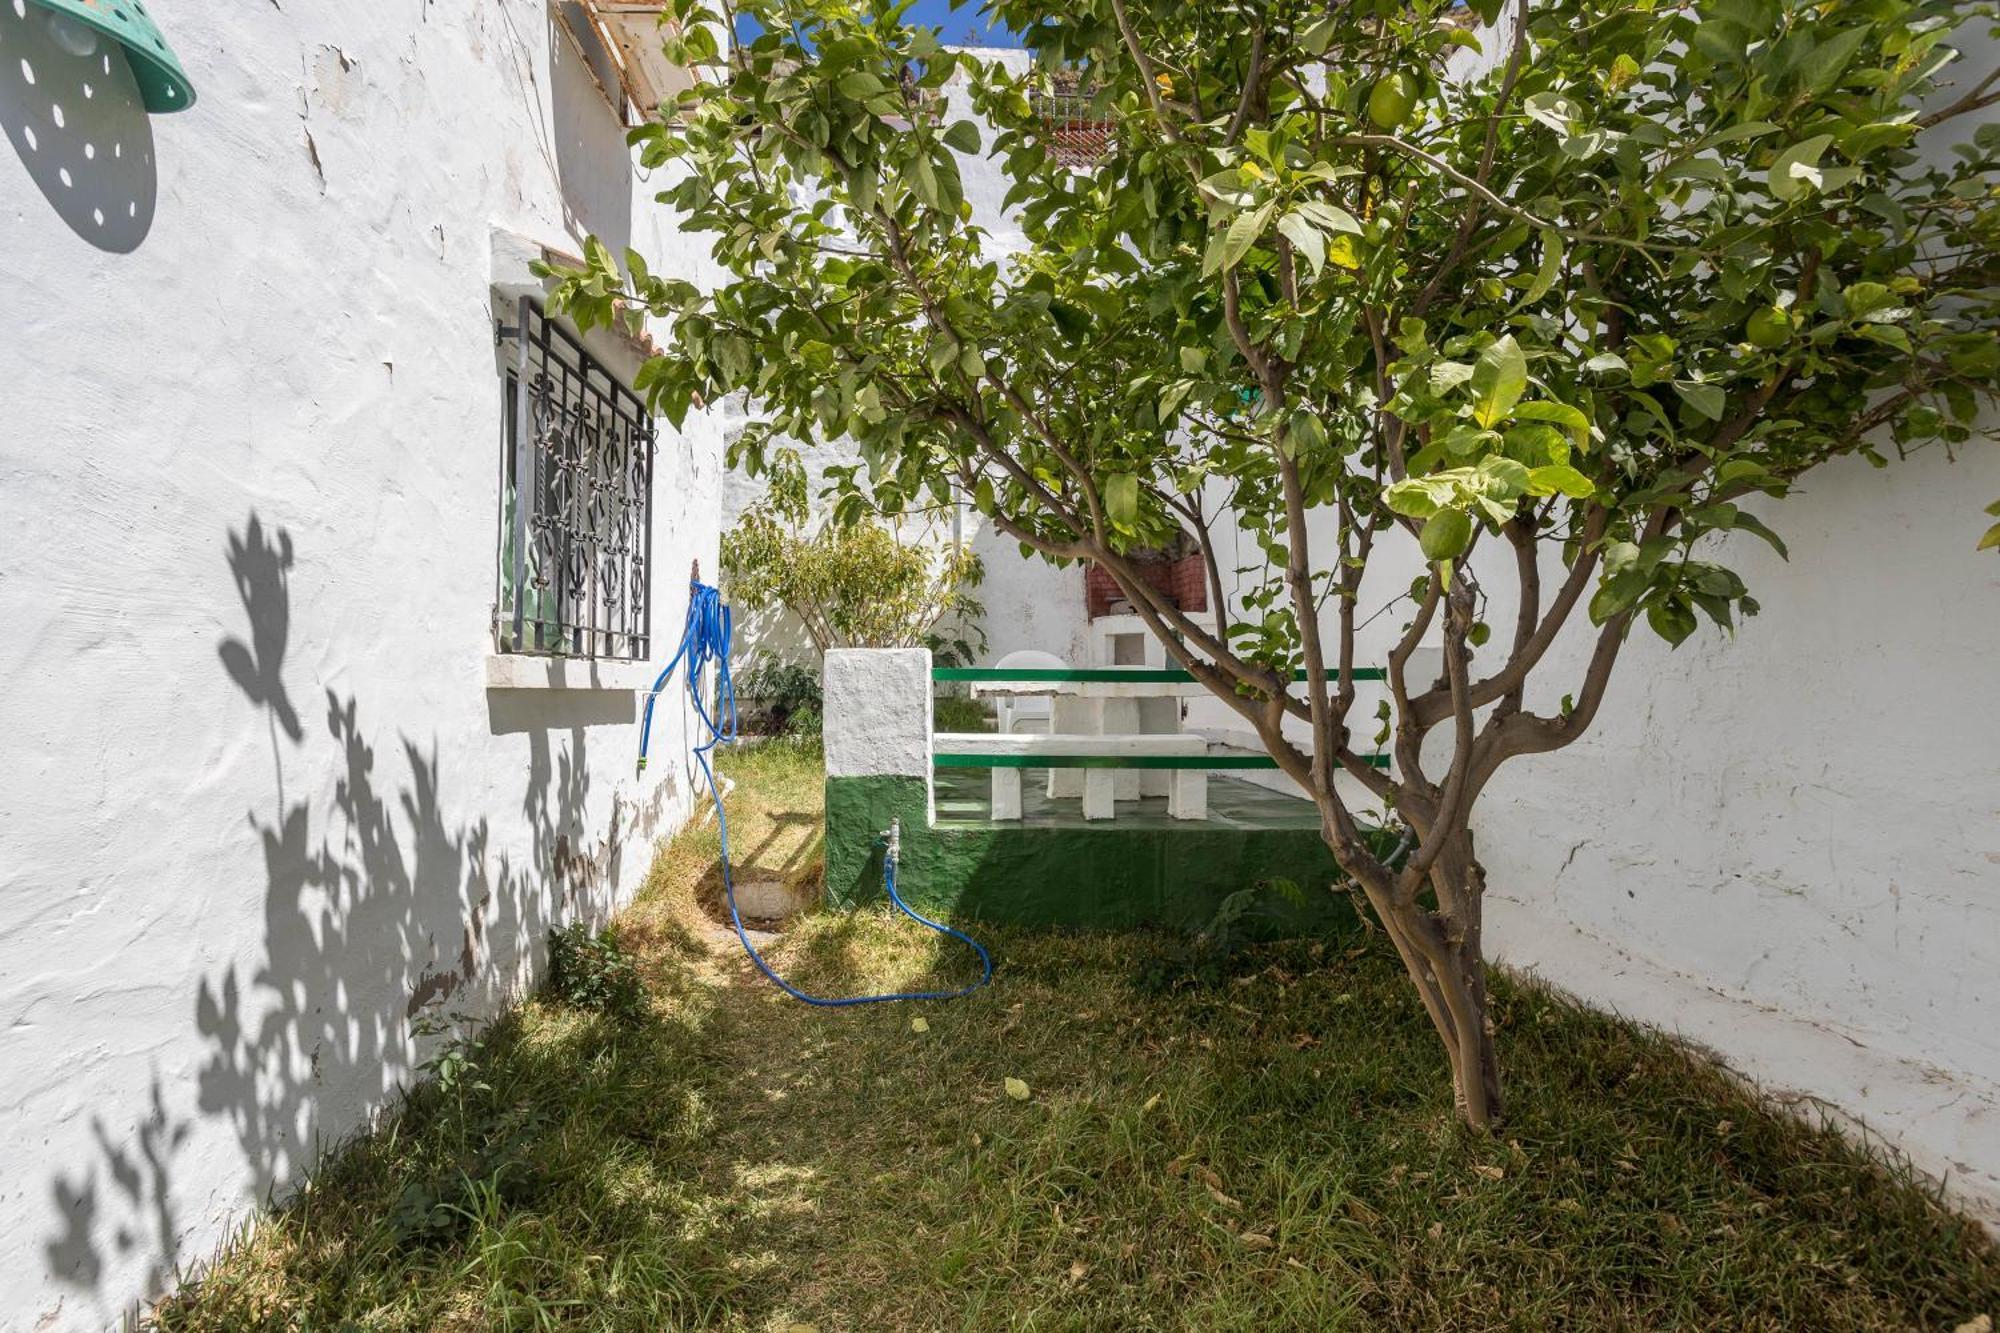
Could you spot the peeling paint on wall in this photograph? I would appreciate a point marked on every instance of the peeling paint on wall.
(260, 809)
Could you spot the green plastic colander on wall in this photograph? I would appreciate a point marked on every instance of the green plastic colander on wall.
(79, 26)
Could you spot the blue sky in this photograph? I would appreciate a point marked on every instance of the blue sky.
(962, 26)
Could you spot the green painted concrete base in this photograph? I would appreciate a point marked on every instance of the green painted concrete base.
(1113, 875)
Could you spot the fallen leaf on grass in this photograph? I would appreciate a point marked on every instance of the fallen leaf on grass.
(1224, 1199)
(1017, 1090)
(920, 1024)
(1256, 1240)
(1490, 1172)
(1977, 1324)
(1151, 1102)
(1077, 1270)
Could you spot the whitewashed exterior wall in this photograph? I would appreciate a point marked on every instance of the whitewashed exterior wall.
(259, 804)
(1784, 844)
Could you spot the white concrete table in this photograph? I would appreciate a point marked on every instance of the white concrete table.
(1104, 701)
(1187, 788)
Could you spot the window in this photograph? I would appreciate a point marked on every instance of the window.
(576, 502)
(1074, 127)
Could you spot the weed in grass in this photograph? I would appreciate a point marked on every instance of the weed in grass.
(589, 970)
(1273, 1149)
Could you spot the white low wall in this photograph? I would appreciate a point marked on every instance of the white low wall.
(1785, 843)
(261, 807)
(1802, 820)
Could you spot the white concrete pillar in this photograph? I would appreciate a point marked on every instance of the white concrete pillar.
(1188, 798)
(1099, 799)
(878, 714)
(1070, 716)
(1006, 793)
(1120, 717)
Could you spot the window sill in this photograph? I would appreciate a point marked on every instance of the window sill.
(523, 671)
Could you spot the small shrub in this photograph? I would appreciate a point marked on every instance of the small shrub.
(955, 712)
(588, 970)
(783, 698)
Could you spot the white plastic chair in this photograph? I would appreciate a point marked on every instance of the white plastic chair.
(1026, 712)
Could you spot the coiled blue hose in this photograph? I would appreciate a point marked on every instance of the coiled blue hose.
(705, 640)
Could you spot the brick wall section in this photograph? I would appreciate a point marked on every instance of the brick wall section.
(1183, 580)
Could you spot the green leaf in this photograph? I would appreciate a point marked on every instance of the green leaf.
(1749, 129)
(1796, 168)
(963, 135)
(1707, 399)
(1305, 238)
(1554, 110)
(1498, 379)
(1551, 269)
(1561, 414)
(1751, 523)
(1121, 498)
(1243, 233)
(1671, 620)
(858, 84)
(1560, 477)
(1830, 58)
(1329, 218)
(1446, 534)
(1017, 1089)
(1320, 35)
(1615, 594)
(1990, 540)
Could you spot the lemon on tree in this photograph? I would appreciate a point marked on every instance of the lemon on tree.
(1768, 328)
(1392, 99)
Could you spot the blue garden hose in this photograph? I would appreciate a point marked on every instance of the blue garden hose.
(705, 639)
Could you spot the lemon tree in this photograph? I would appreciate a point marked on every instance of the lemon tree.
(1492, 314)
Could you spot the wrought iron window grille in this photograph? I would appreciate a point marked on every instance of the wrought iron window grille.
(1074, 127)
(576, 502)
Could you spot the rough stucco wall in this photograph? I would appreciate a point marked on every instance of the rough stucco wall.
(1783, 842)
(259, 805)
(878, 712)
(1804, 818)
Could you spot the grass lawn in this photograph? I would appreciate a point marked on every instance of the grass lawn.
(1271, 1150)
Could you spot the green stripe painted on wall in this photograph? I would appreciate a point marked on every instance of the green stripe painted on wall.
(1100, 876)
(1102, 675)
(950, 760)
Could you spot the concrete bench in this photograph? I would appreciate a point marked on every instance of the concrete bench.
(1101, 758)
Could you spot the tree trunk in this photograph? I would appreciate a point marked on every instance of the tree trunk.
(1442, 953)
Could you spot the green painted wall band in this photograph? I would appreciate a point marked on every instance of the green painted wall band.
(1102, 675)
(1109, 875)
(1121, 760)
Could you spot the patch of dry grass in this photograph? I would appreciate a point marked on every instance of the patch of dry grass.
(1274, 1152)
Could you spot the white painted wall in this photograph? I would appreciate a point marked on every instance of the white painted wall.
(1785, 843)
(259, 804)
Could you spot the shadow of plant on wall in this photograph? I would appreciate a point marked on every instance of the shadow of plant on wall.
(376, 906)
(261, 570)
